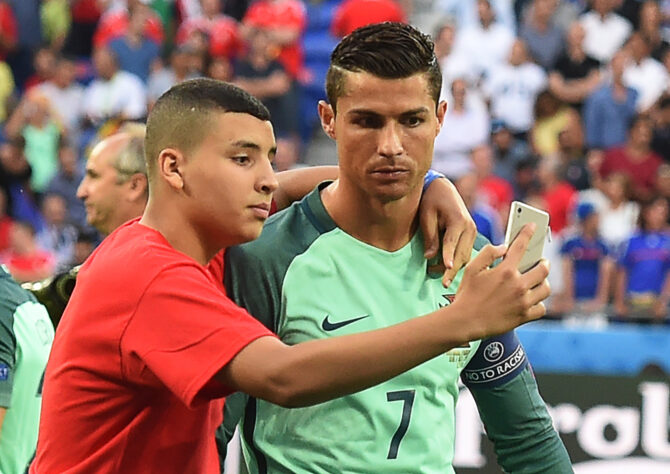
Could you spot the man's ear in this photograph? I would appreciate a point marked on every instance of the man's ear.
(170, 167)
(138, 186)
(327, 117)
(440, 112)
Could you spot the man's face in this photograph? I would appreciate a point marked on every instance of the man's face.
(385, 130)
(100, 190)
(229, 179)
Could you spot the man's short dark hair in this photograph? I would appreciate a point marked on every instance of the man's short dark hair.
(386, 50)
(181, 117)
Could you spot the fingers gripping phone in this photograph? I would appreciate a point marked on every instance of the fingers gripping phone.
(521, 214)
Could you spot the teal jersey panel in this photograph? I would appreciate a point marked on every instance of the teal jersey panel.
(25, 327)
(330, 285)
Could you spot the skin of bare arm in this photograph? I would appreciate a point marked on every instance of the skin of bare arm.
(489, 301)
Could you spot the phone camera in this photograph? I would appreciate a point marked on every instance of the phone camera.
(518, 211)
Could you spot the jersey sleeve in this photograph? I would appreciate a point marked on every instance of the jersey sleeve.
(514, 415)
(7, 355)
(183, 332)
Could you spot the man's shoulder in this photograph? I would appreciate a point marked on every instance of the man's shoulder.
(286, 232)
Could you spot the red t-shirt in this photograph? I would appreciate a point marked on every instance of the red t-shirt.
(30, 267)
(560, 202)
(642, 173)
(85, 11)
(224, 37)
(129, 385)
(7, 27)
(497, 192)
(284, 14)
(115, 24)
(352, 14)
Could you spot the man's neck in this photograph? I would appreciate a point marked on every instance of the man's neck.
(386, 225)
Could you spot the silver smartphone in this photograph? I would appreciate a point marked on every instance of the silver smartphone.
(521, 214)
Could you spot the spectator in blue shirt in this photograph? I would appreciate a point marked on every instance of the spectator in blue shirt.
(610, 109)
(642, 289)
(587, 266)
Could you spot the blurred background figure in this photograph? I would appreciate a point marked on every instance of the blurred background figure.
(486, 217)
(65, 96)
(606, 31)
(114, 189)
(466, 125)
(635, 158)
(552, 116)
(508, 151)
(642, 289)
(486, 42)
(491, 189)
(619, 215)
(352, 14)
(609, 110)
(178, 69)
(542, 35)
(220, 32)
(587, 268)
(67, 180)
(262, 75)
(644, 73)
(114, 94)
(24, 259)
(512, 87)
(34, 120)
(58, 236)
(135, 51)
(576, 75)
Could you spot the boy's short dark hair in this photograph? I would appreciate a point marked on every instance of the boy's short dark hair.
(180, 118)
(387, 50)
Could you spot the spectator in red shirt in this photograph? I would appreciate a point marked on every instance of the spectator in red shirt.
(494, 190)
(352, 14)
(285, 21)
(635, 158)
(85, 15)
(114, 24)
(8, 32)
(24, 259)
(221, 30)
(559, 195)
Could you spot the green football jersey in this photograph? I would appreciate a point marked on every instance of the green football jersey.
(319, 282)
(26, 334)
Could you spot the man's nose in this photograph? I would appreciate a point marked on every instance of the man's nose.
(390, 142)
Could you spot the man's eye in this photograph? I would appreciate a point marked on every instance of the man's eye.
(413, 121)
(368, 122)
(242, 160)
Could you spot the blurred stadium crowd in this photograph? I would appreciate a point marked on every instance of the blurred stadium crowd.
(562, 104)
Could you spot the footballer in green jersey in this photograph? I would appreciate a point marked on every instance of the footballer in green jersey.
(306, 279)
(26, 334)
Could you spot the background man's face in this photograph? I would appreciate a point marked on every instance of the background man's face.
(100, 190)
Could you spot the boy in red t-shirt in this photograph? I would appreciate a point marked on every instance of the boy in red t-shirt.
(150, 344)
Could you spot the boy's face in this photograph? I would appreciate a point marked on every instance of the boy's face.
(385, 130)
(229, 179)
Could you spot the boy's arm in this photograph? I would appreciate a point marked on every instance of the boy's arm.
(489, 301)
(510, 406)
(442, 212)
